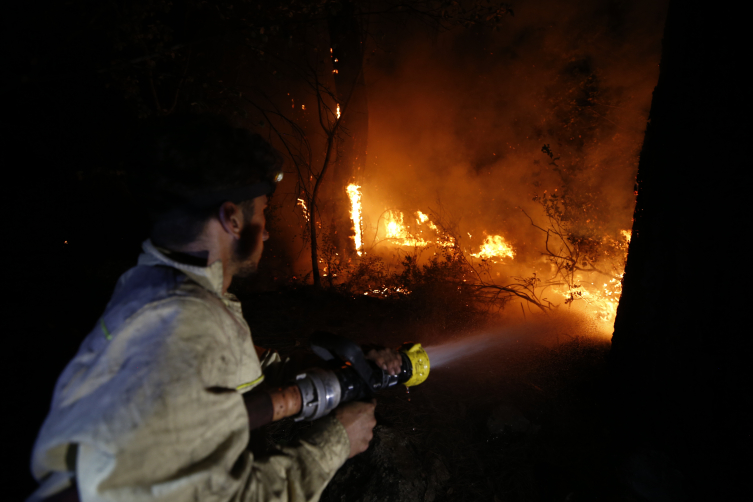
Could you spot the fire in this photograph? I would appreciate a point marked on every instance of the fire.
(401, 234)
(398, 231)
(627, 234)
(302, 204)
(494, 246)
(338, 108)
(354, 194)
(601, 301)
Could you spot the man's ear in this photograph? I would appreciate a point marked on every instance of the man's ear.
(231, 218)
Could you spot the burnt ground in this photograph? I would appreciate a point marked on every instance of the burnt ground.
(523, 422)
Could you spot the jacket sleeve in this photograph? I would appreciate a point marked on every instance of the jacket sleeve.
(168, 425)
(300, 472)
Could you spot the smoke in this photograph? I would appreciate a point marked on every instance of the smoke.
(457, 120)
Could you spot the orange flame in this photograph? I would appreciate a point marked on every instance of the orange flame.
(305, 209)
(354, 194)
(494, 246)
(338, 110)
(397, 231)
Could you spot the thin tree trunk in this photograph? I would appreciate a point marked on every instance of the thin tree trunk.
(347, 55)
(312, 205)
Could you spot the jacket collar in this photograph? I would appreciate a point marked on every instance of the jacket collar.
(209, 277)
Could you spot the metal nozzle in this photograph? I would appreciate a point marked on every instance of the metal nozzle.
(419, 360)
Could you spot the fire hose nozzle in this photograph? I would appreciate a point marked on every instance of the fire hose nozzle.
(419, 362)
(349, 376)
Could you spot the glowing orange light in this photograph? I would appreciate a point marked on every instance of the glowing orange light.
(338, 110)
(354, 194)
(398, 232)
(305, 209)
(627, 234)
(494, 246)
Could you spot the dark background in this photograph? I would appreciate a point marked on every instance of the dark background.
(69, 228)
(679, 386)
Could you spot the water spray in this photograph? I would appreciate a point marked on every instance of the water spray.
(349, 376)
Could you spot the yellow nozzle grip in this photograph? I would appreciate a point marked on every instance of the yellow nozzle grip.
(419, 360)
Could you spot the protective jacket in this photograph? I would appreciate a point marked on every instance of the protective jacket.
(151, 407)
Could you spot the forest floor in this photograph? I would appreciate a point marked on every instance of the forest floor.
(522, 420)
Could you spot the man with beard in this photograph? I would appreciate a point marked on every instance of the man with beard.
(151, 408)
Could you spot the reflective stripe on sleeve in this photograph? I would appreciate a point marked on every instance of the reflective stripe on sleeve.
(250, 384)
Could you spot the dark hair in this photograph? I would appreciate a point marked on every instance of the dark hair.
(176, 159)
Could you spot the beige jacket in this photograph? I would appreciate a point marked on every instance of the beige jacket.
(151, 407)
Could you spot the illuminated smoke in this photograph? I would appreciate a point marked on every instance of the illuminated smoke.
(456, 125)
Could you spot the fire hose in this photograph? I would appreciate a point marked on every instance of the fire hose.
(348, 376)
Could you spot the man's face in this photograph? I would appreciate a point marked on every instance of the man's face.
(249, 246)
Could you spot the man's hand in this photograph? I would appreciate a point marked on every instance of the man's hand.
(387, 359)
(358, 419)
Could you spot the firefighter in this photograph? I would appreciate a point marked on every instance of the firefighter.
(151, 407)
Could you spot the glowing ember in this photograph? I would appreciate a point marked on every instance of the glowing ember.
(338, 107)
(305, 209)
(354, 194)
(627, 234)
(494, 246)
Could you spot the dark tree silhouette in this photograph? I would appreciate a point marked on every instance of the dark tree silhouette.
(681, 342)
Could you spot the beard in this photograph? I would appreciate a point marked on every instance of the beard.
(244, 251)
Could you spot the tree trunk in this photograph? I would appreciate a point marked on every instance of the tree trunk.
(347, 49)
(313, 211)
(680, 346)
(314, 250)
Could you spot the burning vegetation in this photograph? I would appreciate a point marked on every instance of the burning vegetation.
(574, 260)
(408, 251)
(490, 155)
(522, 193)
